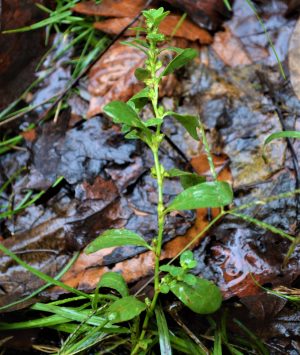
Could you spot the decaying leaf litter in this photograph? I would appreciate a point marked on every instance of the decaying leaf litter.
(107, 181)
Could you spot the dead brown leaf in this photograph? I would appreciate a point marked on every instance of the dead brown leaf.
(112, 78)
(110, 8)
(207, 13)
(30, 135)
(230, 49)
(188, 30)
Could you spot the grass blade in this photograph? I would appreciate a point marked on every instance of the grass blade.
(39, 290)
(264, 225)
(41, 275)
(163, 331)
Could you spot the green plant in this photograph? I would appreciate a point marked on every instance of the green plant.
(198, 294)
(90, 319)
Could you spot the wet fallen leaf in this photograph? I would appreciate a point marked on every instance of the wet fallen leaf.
(112, 77)
(230, 49)
(187, 30)
(30, 135)
(110, 8)
(207, 13)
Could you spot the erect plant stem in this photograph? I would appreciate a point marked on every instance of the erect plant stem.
(157, 243)
(157, 246)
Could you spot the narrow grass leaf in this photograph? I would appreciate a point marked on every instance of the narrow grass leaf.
(291, 250)
(254, 339)
(228, 5)
(41, 275)
(50, 321)
(279, 135)
(58, 18)
(205, 195)
(217, 343)
(39, 290)
(73, 314)
(252, 6)
(115, 238)
(163, 331)
(264, 225)
(186, 346)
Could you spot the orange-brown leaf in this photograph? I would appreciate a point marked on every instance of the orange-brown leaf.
(110, 8)
(187, 30)
(112, 77)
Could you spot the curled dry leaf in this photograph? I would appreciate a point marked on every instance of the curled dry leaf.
(112, 78)
(187, 30)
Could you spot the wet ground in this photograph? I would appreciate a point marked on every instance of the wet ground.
(237, 89)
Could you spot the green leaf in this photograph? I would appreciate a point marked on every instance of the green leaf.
(41, 275)
(186, 179)
(187, 346)
(153, 122)
(114, 281)
(174, 49)
(134, 45)
(202, 298)
(138, 29)
(264, 225)
(116, 238)
(164, 288)
(190, 279)
(121, 112)
(163, 331)
(283, 134)
(142, 74)
(180, 60)
(157, 37)
(142, 42)
(144, 93)
(217, 343)
(228, 5)
(132, 135)
(172, 270)
(155, 16)
(74, 314)
(189, 122)
(205, 195)
(140, 99)
(187, 260)
(125, 309)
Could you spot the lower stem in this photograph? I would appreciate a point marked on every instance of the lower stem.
(157, 248)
